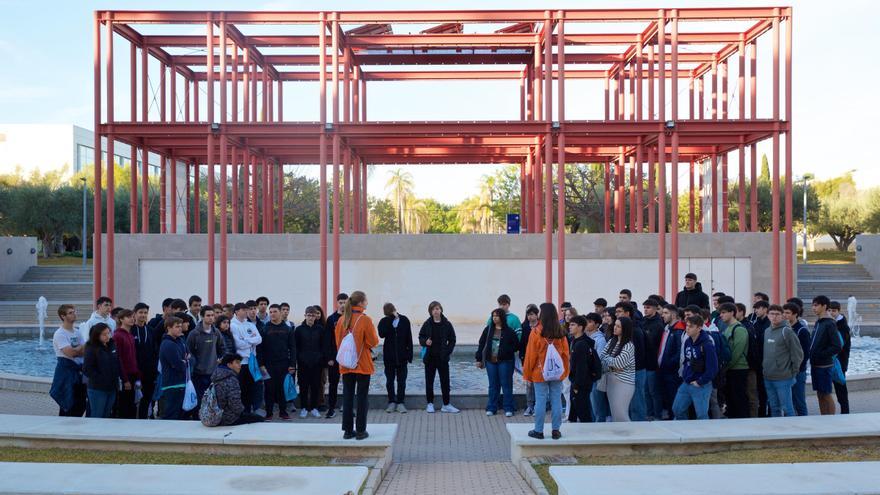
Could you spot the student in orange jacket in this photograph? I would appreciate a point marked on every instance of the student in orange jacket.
(354, 320)
(547, 332)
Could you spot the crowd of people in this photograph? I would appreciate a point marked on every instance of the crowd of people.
(617, 363)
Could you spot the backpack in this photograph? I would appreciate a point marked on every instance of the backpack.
(210, 413)
(553, 366)
(347, 356)
(722, 348)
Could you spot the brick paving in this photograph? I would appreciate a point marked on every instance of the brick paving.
(438, 453)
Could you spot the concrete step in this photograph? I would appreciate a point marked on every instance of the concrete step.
(25, 313)
(58, 274)
(31, 291)
(850, 271)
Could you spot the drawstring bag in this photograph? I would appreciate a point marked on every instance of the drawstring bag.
(254, 367)
(347, 356)
(290, 392)
(553, 366)
(190, 397)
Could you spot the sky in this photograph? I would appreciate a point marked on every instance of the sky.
(47, 78)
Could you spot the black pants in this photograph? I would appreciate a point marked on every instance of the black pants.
(763, 404)
(440, 367)
(580, 410)
(355, 384)
(275, 389)
(842, 394)
(125, 406)
(248, 418)
(148, 384)
(79, 402)
(309, 379)
(396, 372)
(332, 386)
(737, 397)
(247, 388)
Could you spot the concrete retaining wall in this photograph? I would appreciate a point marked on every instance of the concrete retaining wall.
(16, 257)
(868, 253)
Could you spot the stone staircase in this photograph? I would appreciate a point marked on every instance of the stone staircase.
(58, 284)
(838, 282)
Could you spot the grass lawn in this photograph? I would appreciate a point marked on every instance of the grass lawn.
(833, 257)
(17, 454)
(756, 456)
(62, 261)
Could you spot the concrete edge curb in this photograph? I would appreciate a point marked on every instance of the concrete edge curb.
(524, 466)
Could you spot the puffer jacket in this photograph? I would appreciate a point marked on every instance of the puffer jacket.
(228, 392)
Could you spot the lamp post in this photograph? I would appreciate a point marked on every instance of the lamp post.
(806, 178)
(84, 242)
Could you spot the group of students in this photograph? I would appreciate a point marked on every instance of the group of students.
(673, 360)
(120, 363)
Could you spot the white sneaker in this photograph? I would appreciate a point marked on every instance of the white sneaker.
(315, 413)
(488, 413)
(449, 408)
(401, 408)
(508, 414)
(303, 413)
(391, 407)
(430, 408)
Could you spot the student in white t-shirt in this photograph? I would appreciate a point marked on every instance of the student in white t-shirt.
(67, 387)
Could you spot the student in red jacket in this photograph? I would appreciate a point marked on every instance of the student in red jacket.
(128, 367)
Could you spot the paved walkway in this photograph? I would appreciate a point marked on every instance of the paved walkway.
(433, 453)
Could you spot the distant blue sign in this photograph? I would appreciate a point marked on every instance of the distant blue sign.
(513, 223)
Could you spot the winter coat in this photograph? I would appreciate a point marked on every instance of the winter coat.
(686, 297)
(536, 353)
(365, 338)
(507, 347)
(101, 366)
(397, 347)
(228, 392)
(309, 343)
(442, 336)
(278, 349)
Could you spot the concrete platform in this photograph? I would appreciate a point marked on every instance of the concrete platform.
(190, 436)
(820, 478)
(133, 479)
(694, 436)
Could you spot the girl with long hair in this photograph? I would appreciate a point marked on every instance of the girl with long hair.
(619, 363)
(356, 381)
(548, 332)
(496, 352)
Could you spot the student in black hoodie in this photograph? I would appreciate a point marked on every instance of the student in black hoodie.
(653, 326)
(157, 324)
(278, 350)
(397, 353)
(330, 346)
(824, 346)
(584, 369)
(437, 336)
(310, 354)
(101, 366)
(840, 389)
(759, 407)
(692, 293)
(496, 352)
(147, 351)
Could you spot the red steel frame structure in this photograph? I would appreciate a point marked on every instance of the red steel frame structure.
(645, 124)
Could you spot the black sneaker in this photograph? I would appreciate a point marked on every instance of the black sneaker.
(348, 435)
(556, 435)
(331, 414)
(535, 434)
(362, 435)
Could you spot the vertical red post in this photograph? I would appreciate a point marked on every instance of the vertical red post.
(725, 186)
(640, 220)
(97, 221)
(620, 200)
(632, 194)
(224, 163)
(652, 198)
(209, 104)
(187, 197)
(606, 227)
(197, 198)
(774, 196)
(245, 188)
(548, 157)
(163, 195)
(145, 190)
(234, 160)
(713, 161)
(365, 211)
(661, 151)
(334, 90)
(133, 189)
(173, 89)
(789, 228)
(691, 199)
(673, 220)
(741, 97)
(173, 193)
(111, 168)
(528, 197)
(753, 106)
(255, 187)
(651, 64)
(560, 160)
(539, 187)
(322, 145)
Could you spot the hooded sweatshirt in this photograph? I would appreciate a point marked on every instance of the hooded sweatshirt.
(206, 346)
(782, 353)
(700, 360)
(692, 296)
(228, 392)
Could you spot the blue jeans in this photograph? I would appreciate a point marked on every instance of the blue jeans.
(600, 406)
(638, 404)
(689, 394)
(101, 403)
(500, 379)
(779, 397)
(653, 394)
(799, 393)
(543, 390)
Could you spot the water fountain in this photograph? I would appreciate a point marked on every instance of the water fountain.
(42, 305)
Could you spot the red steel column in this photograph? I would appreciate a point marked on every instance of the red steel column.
(560, 159)
(652, 198)
(186, 200)
(632, 194)
(522, 197)
(197, 198)
(356, 199)
(528, 198)
(661, 152)
(365, 211)
(245, 189)
(163, 194)
(714, 190)
(776, 292)
(280, 196)
(606, 227)
(322, 145)
(691, 199)
(548, 158)
(334, 40)
(209, 104)
(234, 160)
(789, 229)
(133, 189)
(753, 106)
(640, 220)
(224, 163)
(725, 186)
(97, 275)
(254, 199)
(111, 168)
(145, 190)
(173, 194)
(346, 190)
(673, 221)
(741, 96)
(619, 199)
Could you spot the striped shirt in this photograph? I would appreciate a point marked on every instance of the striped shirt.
(624, 363)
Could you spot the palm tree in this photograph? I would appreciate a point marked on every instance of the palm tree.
(400, 193)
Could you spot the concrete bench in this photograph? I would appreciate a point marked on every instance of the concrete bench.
(819, 478)
(291, 438)
(149, 479)
(680, 437)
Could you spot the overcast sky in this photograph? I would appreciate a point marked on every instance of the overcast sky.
(47, 78)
